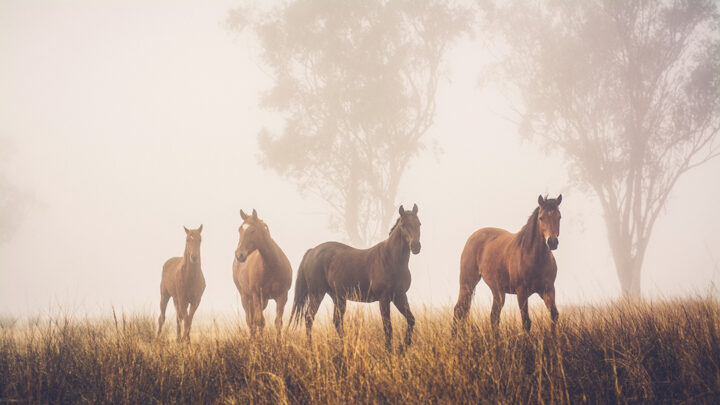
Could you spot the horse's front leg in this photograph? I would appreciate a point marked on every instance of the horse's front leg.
(522, 297)
(387, 326)
(258, 318)
(189, 320)
(180, 309)
(401, 303)
(549, 298)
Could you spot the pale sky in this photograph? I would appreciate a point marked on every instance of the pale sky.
(128, 120)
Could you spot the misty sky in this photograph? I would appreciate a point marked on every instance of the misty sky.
(124, 121)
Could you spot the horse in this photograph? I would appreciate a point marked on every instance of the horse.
(380, 273)
(520, 263)
(183, 280)
(261, 272)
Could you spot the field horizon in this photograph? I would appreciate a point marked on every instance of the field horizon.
(659, 351)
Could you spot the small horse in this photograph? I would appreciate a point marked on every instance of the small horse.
(521, 264)
(379, 273)
(261, 272)
(183, 280)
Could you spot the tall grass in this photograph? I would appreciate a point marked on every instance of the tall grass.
(642, 352)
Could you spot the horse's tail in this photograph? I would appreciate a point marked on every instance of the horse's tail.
(300, 301)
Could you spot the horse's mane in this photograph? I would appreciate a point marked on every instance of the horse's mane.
(394, 226)
(526, 236)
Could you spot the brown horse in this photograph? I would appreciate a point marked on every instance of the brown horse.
(261, 272)
(520, 264)
(182, 279)
(380, 273)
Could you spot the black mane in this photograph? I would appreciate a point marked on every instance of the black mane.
(526, 236)
(395, 226)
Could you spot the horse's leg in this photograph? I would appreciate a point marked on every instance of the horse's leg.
(401, 303)
(549, 298)
(387, 326)
(179, 313)
(522, 297)
(189, 319)
(465, 296)
(497, 306)
(258, 319)
(339, 314)
(247, 306)
(279, 309)
(164, 299)
(312, 308)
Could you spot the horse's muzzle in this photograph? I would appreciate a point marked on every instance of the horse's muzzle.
(415, 247)
(553, 243)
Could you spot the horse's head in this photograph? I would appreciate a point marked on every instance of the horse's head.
(253, 233)
(409, 226)
(192, 243)
(549, 220)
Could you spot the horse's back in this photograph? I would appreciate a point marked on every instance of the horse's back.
(482, 250)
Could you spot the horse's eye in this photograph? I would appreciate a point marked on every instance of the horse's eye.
(542, 218)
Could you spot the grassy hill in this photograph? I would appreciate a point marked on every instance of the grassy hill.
(625, 352)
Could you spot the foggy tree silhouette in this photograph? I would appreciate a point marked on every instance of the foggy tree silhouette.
(356, 82)
(629, 91)
(14, 201)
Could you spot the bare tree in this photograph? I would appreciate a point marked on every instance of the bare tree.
(628, 90)
(356, 82)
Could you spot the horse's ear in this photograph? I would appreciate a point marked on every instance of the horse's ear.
(415, 209)
(254, 214)
(187, 231)
(243, 215)
(200, 229)
(559, 199)
(401, 210)
(540, 200)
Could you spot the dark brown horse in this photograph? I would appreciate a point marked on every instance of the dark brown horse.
(520, 263)
(261, 272)
(182, 279)
(380, 273)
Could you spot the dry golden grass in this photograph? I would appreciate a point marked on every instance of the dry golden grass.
(649, 352)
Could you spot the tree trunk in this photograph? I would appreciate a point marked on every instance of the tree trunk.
(628, 261)
(628, 271)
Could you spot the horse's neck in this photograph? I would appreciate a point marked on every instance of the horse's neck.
(190, 267)
(538, 250)
(270, 253)
(396, 248)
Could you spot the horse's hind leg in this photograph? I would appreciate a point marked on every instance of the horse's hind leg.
(401, 303)
(465, 296)
(387, 326)
(279, 309)
(164, 299)
(339, 314)
(312, 308)
(497, 305)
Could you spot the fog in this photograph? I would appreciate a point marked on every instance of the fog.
(122, 122)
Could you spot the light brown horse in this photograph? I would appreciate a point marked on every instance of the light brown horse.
(520, 263)
(261, 272)
(183, 280)
(380, 273)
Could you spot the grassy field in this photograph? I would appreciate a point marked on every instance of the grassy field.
(662, 352)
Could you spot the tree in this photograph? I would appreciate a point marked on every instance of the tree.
(356, 82)
(629, 91)
(14, 201)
